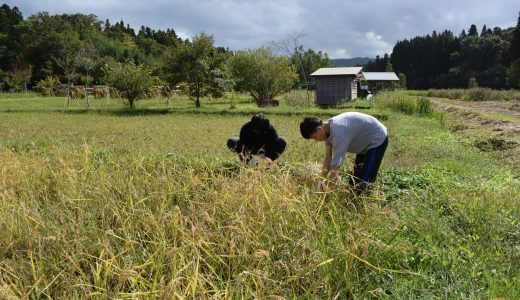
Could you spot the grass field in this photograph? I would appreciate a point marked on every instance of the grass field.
(103, 202)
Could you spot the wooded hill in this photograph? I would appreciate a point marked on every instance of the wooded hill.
(43, 46)
(490, 58)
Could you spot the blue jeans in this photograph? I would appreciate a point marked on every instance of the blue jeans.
(366, 167)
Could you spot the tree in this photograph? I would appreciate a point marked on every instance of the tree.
(67, 61)
(198, 64)
(473, 30)
(309, 61)
(131, 80)
(3, 80)
(87, 61)
(44, 39)
(20, 75)
(514, 73)
(514, 54)
(262, 74)
(402, 81)
(305, 62)
(9, 36)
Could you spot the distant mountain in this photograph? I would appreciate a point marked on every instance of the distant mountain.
(351, 62)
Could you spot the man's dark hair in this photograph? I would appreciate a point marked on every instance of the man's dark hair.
(308, 126)
(260, 123)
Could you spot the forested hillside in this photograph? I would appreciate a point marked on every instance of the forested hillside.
(75, 48)
(45, 49)
(489, 58)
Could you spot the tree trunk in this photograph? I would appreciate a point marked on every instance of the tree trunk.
(197, 92)
(68, 94)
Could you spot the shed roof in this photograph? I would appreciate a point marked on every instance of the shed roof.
(379, 76)
(337, 71)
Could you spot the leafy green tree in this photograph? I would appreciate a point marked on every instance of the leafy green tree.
(309, 61)
(131, 80)
(484, 58)
(262, 74)
(196, 63)
(45, 38)
(10, 46)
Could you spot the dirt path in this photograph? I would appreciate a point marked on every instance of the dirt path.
(501, 115)
(493, 125)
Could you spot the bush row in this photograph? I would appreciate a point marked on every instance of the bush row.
(472, 94)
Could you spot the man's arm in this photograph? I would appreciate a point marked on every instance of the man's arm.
(245, 134)
(326, 162)
(328, 169)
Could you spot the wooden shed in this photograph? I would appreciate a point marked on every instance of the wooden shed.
(335, 85)
(378, 81)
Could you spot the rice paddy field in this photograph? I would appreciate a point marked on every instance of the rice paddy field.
(102, 202)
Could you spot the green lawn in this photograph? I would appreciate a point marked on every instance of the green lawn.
(104, 202)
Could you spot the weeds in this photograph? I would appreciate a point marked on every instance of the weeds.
(472, 94)
(154, 206)
(406, 104)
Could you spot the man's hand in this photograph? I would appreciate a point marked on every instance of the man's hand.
(334, 174)
(322, 185)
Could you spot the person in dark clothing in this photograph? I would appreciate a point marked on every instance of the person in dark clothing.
(257, 137)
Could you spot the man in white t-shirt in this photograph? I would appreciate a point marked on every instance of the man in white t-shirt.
(350, 132)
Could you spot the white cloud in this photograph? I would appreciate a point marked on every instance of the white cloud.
(376, 44)
(184, 34)
(339, 53)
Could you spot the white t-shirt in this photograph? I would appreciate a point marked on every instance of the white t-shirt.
(355, 133)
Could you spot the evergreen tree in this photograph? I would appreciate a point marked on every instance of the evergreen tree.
(484, 31)
(514, 48)
(514, 54)
(473, 30)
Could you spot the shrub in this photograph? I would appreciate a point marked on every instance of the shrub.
(48, 86)
(446, 93)
(406, 104)
(480, 94)
(424, 107)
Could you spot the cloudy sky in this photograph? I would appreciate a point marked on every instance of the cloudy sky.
(341, 28)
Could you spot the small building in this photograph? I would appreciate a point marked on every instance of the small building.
(335, 85)
(376, 81)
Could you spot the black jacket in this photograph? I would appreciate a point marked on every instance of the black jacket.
(254, 141)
